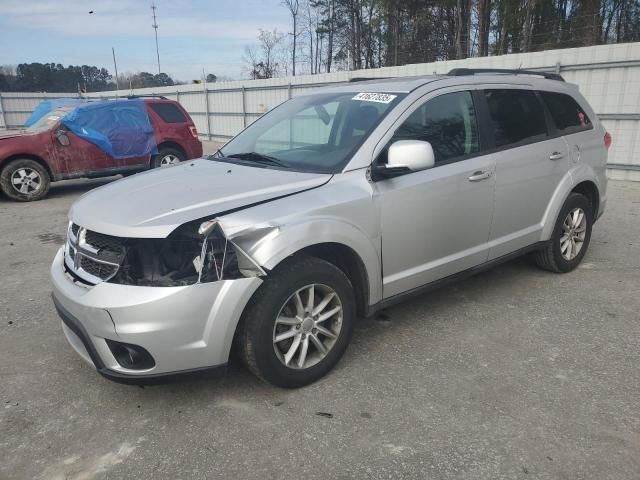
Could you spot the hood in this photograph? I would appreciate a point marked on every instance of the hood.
(153, 204)
(12, 134)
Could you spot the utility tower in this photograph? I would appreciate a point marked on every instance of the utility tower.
(155, 28)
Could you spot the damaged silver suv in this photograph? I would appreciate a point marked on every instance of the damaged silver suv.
(331, 206)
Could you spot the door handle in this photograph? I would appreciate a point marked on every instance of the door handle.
(477, 176)
(556, 156)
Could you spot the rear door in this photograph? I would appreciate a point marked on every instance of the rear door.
(530, 163)
(571, 121)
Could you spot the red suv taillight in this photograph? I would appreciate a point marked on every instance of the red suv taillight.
(193, 131)
(607, 139)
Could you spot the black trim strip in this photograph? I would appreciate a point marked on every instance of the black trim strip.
(154, 378)
(104, 172)
(415, 292)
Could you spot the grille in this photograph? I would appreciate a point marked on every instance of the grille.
(100, 241)
(103, 271)
(93, 256)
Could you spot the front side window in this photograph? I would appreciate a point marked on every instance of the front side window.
(517, 116)
(448, 123)
(313, 133)
(567, 115)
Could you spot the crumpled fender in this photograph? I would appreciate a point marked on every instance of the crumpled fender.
(269, 244)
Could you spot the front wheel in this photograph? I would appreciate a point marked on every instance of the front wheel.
(299, 323)
(570, 238)
(24, 180)
(167, 157)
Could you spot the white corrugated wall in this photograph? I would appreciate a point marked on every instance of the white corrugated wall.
(607, 75)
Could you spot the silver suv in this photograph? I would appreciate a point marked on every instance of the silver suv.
(331, 206)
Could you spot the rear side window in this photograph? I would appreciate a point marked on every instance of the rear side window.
(567, 114)
(517, 116)
(168, 112)
(448, 122)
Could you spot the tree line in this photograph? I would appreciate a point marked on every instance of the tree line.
(54, 77)
(329, 35)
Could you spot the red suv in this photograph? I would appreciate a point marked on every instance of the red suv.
(49, 151)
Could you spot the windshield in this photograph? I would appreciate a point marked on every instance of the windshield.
(312, 133)
(48, 121)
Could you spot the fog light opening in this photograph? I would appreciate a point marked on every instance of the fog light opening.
(133, 357)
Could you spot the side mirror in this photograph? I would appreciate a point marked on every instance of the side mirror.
(63, 140)
(407, 156)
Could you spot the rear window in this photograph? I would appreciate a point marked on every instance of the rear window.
(517, 116)
(168, 112)
(567, 114)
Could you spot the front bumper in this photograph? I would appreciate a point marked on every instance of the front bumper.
(185, 329)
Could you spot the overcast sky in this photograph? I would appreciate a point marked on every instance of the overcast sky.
(193, 34)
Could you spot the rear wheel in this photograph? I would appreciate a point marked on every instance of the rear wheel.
(299, 323)
(24, 180)
(167, 157)
(570, 238)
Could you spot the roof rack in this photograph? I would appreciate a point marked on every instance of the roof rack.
(143, 95)
(460, 72)
(367, 79)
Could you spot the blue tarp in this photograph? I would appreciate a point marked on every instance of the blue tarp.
(120, 128)
(47, 106)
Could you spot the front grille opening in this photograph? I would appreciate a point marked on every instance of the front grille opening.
(102, 242)
(97, 269)
(94, 256)
(130, 356)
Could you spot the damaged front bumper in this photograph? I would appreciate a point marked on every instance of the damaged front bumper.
(184, 329)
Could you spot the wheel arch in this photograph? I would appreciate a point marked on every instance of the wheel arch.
(336, 241)
(28, 156)
(567, 186)
(174, 145)
(349, 262)
(589, 189)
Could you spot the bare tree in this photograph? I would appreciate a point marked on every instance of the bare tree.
(293, 6)
(262, 60)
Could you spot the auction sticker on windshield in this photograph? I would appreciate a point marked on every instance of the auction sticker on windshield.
(374, 97)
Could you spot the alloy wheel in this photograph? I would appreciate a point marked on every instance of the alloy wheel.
(26, 180)
(574, 231)
(308, 326)
(169, 160)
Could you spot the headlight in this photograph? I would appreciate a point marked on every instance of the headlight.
(193, 253)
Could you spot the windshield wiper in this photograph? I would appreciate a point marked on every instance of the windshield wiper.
(258, 158)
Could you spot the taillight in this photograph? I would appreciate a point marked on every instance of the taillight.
(607, 139)
(194, 132)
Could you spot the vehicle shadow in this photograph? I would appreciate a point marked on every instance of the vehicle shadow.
(67, 188)
(78, 186)
(391, 322)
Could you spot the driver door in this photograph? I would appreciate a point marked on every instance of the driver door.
(437, 222)
(77, 156)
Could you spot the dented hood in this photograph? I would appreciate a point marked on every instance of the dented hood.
(153, 204)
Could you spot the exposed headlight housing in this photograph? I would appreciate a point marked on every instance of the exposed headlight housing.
(196, 252)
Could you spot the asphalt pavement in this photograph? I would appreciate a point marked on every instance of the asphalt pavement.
(515, 373)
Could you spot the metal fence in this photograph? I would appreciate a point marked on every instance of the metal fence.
(608, 76)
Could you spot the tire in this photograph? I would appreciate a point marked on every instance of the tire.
(272, 304)
(166, 157)
(553, 256)
(25, 180)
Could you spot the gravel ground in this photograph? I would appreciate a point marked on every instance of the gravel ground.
(514, 373)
